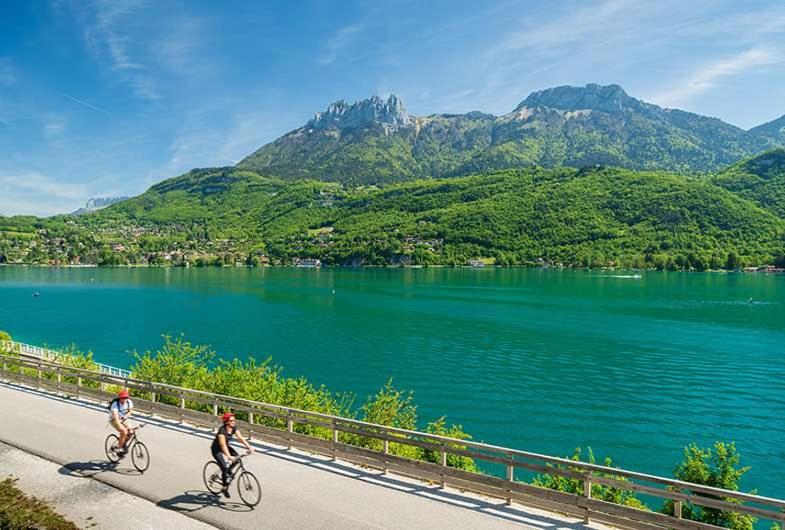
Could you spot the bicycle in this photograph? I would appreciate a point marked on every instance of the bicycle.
(140, 456)
(247, 485)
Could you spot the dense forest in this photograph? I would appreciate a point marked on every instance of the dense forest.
(589, 217)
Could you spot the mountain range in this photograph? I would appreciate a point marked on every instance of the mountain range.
(369, 184)
(376, 142)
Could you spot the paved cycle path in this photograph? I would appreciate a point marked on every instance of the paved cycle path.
(299, 490)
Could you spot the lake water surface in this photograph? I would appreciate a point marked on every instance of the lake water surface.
(540, 360)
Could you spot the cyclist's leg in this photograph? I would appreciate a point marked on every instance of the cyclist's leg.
(123, 431)
(236, 461)
(221, 459)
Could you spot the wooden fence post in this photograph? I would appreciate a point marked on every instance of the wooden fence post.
(510, 477)
(444, 463)
(290, 427)
(677, 509)
(387, 452)
(335, 440)
(587, 494)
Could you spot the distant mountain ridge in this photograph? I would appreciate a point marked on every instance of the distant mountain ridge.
(375, 141)
(97, 203)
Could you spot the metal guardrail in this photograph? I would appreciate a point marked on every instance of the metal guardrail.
(338, 437)
(53, 355)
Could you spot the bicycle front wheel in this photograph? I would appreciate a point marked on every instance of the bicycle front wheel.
(110, 445)
(249, 488)
(212, 477)
(140, 456)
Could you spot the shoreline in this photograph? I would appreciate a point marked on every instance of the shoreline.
(347, 267)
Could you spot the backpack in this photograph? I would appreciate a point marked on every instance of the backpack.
(111, 403)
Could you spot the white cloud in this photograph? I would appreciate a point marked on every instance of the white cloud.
(32, 193)
(339, 40)
(571, 29)
(712, 74)
(108, 35)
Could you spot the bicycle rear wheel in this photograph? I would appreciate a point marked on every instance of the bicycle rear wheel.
(212, 477)
(249, 488)
(140, 456)
(109, 446)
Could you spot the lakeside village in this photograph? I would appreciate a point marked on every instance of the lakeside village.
(152, 247)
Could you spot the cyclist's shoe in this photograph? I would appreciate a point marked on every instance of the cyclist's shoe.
(121, 452)
(225, 492)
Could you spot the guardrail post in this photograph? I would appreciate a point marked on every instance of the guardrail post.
(511, 478)
(289, 427)
(444, 463)
(78, 386)
(587, 494)
(59, 380)
(182, 407)
(39, 375)
(215, 408)
(335, 440)
(677, 509)
(387, 452)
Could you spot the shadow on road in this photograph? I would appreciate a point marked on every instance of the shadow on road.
(93, 468)
(494, 507)
(194, 500)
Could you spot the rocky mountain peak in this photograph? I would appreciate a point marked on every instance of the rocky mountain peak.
(605, 98)
(391, 114)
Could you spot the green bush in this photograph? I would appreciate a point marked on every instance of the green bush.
(598, 491)
(718, 468)
(181, 363)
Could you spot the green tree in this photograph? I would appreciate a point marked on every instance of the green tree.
(719, 467)
(732, 262)
(5, 336)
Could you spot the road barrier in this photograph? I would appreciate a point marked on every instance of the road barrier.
(339, 438)
(54, 356)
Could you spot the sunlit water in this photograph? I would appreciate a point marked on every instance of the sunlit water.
(541, 360)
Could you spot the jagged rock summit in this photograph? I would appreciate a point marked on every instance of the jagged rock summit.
(390, 114)
(610, 98)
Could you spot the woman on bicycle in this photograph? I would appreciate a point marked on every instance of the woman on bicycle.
(223, 453)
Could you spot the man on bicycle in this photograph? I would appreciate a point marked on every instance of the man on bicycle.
(225, 454)
(120, 410)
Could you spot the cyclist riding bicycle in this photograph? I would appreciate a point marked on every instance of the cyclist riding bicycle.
(225, 454)
(120, 410)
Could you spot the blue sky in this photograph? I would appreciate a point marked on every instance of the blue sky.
(101, 97)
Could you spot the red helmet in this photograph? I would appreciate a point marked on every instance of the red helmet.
(124, 394)
(227, 416)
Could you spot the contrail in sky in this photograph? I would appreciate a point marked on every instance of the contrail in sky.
(86, 104)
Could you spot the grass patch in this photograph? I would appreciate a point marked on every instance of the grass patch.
(21, 511)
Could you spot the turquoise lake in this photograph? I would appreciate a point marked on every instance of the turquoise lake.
(540, 360)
